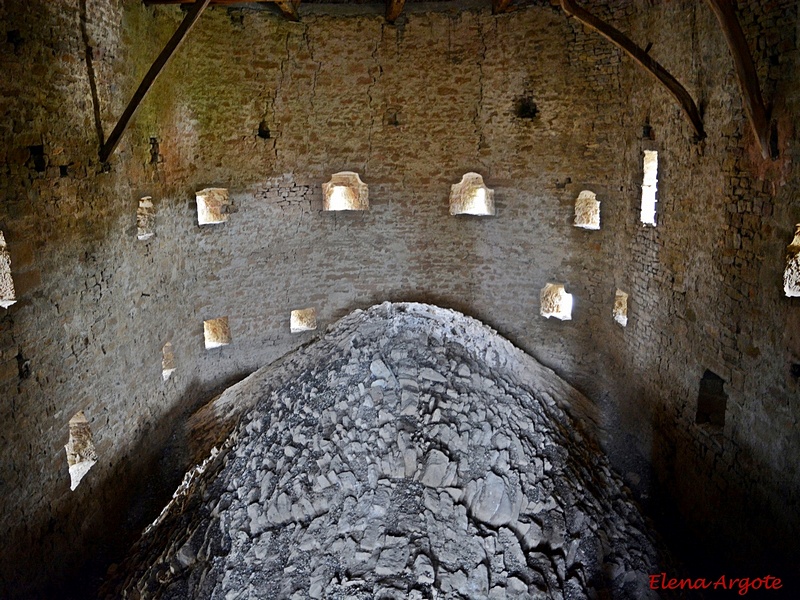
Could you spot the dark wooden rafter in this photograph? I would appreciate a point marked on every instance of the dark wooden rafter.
(501, 6)
(172, 45)
(393, 9)
(287, 7)
(745, 71)
(641, 58)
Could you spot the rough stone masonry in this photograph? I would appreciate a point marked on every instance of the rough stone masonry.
(409, 453)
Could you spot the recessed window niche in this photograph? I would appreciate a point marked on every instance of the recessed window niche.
(621, 308)
(81, 455)
(212, 206)
(712, 400)
(587, 210)
(556, 302)
(791, 275)
(7, 293)
(167, 361)
(345, 191)
(649, 187)
(471, 197)
(145, 219)
(217, 332)
(304, 319)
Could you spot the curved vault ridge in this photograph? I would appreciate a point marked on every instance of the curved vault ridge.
(411, 452)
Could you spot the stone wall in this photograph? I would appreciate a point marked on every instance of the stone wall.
(270, 109)
(705, 283)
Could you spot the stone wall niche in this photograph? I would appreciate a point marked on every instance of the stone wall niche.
(217, 332)
(304, 319)
(145, 219)
(345, 191)
(621, 308)
(791, 276)
(7, 294)
(212, 206)
(81, 455)
(587, 210)
(711, 401)
(556, 302)
(649, 187)
(471, 197)
(167, 361)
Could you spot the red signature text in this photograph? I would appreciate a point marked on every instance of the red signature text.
(740, 584)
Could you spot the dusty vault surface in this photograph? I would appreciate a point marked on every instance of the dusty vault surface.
(411, 452)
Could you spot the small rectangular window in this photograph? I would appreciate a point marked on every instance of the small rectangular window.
(621, 308)
(212, 206)
(470, 196)
(649, 187)
(81, 454)
(217, 332)
(791, 275)
(145, 219)
(345, 191)
(7, 293)
(167, 361)
(304, 319)
(556, 302)
(587, 210)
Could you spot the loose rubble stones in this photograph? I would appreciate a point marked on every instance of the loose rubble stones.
(409, 453)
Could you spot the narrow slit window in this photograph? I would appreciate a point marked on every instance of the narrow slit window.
(345, 191)
(649, 187)
(711, 401)
(791, 275)
(471, 197)
(7, 293)
(556, 302)
(621, 308)
(212, 206)
(304, 319)
(587, 210)
(217, 332)
(145, 219)
(167, 361)
(81, 454)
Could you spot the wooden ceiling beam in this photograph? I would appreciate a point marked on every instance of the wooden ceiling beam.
(155, 69)
(745, 71)
(288, 8)
(393, 9)
(641, 58)
(213, 2)
(501, 6)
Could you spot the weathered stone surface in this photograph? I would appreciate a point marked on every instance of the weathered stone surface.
(408, 501)
(269, 109)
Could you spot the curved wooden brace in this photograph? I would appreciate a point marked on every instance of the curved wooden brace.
(641, 58)
(745, 71)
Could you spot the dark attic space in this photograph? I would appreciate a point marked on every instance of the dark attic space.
(480, 299)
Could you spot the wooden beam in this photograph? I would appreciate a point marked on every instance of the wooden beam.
(641, 58)
(745, 71)
(288, 8)
(156, 68)
(393, 9)
(501, 6)
(213, 2)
